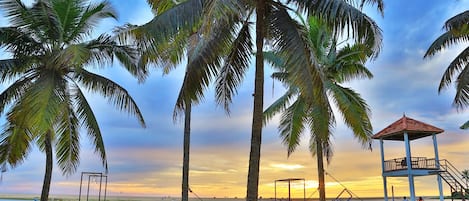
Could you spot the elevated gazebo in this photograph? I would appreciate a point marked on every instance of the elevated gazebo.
(407, 129)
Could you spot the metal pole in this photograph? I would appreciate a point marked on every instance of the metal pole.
(275, 190)
(392, 189)
(100, 184)
(105, 189)
(304, 190)
(81, 182)
(88, 191)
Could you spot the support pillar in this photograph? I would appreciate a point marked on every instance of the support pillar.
(385, 183)
(409, 167)
(437, 163)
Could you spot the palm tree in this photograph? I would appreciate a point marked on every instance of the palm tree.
(45, 103)
(188, 42)
(299, 111)
(456, 31)
(273, 23)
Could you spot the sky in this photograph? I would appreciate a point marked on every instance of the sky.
(148, 161)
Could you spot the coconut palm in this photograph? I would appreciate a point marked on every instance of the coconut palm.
(273, 23)
(190, 43)
(45, 104)
(299, 112)
(456, 31)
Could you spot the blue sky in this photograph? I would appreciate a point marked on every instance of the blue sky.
(148, 161)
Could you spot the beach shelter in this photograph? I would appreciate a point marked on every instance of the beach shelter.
(407, 129)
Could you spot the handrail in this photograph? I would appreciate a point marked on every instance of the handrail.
(455, 173)
(416, 163)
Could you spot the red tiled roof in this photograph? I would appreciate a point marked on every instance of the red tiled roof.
(415, 129)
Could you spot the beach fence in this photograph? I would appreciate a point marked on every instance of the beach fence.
(93, 186)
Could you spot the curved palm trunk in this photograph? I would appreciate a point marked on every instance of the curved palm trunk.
(185, 163)
(256, 133)
(319, 156)
(49, 164)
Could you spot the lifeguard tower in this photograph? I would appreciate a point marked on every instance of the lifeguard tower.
(406, 129)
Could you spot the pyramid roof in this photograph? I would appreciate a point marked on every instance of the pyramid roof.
(414, 129)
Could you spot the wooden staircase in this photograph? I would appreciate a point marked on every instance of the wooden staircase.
(454, 178)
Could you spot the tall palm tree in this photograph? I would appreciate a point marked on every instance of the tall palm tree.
(45, 103)
(456, 31)
(298, 111)
(273, 23)
(195, 44)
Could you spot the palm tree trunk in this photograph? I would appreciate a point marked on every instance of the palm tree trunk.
(319, 156)
(185, 163)
(49, 164)
(256, 133)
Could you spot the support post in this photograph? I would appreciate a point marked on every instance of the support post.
(409, 167)
(437, 163)
(385, 185)
(275, 190)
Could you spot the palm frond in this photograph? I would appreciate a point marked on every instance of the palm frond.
(20, 43)
(204, 54)
(355, 112)
(15, 145)
(234, 69)
(279, 105)
(446, 40)
(13, 68)
(321, 118)
(14, 92)
(458, 22)
(74, 55)
(46, 23)
(115, 94)
(68, 137)
(275, 60)
(379, 5)
(41, 102)
(105, 47)
(457, 65)
(292, 46)
(85, 113)
(292, 124)
(182, 16)
(160, 6)
(88, 19)
(346, 19)
(17, 12)
(461, 99)
(349, 63)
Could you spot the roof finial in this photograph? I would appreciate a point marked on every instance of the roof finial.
(403, 114)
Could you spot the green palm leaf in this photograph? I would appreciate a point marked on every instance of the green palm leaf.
(236, 64)
(354, 110)
(110, 90)
(456, 66)
(68, 138)
(89, 122)
(292, 124)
